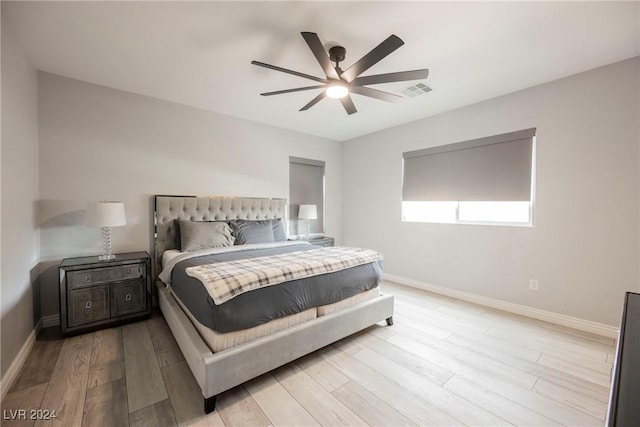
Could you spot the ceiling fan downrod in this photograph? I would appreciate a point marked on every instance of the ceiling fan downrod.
(337, 55)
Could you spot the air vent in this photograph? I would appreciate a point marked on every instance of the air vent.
(415, 90)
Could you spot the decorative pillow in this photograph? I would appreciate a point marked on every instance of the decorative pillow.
(278, 230)
(196, 235)
(246, 231)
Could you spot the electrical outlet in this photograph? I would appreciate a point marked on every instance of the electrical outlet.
(533, 284)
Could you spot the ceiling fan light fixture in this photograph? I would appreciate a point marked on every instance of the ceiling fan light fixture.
(337, 90)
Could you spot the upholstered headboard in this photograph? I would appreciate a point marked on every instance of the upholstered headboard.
(169, 208)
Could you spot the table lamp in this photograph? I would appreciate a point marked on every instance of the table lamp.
(306, 213)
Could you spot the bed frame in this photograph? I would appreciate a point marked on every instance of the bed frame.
(219, 372)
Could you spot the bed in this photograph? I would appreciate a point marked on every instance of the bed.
(221, 360)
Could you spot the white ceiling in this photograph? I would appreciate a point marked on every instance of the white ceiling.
(199, 53)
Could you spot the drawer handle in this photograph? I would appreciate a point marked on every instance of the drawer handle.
(127, 297)
(87, 278)
(127, 270)
(88, 304)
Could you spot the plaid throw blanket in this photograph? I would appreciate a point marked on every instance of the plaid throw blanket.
(226, 280)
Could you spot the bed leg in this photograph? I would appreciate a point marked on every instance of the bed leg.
(209, 404)
(390, 321)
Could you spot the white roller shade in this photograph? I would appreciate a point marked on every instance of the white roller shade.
(496, 168)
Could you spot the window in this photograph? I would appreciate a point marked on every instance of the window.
(483, 181)
(430, 211)
(510, 213)
(502, 212)
(306, 187)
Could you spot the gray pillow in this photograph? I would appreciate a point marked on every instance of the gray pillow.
(196, 235)
(278, 230)
(252, 231)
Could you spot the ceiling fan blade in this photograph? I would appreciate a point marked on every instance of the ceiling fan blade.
(298, 89)
(314, 101)
(377, 53)
(375, 93)
(391, 77)
(347, 103)
(320, 53)
(284, 70)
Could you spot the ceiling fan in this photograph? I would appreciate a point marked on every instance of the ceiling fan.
(340, 84)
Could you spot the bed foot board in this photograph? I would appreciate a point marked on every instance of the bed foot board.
(209, 404)
(390, 321)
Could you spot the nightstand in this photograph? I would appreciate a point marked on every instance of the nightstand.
(322, 241)
(96, 294)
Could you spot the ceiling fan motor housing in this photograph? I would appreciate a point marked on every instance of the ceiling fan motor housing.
(337, 54)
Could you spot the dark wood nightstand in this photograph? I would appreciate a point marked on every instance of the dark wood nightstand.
(322, 241)
(96, 294)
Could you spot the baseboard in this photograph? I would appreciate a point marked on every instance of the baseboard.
(21, 357)
(49, 321)
(535, 313)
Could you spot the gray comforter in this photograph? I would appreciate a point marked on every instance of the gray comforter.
(262, 305)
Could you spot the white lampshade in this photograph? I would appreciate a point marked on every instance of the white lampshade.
(105, 214)
(308, 212)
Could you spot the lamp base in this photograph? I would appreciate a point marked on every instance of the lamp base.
(106, 252)
(305, 227)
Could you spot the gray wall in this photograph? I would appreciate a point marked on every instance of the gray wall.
(584, 247)
(19, 182)
(100, 143)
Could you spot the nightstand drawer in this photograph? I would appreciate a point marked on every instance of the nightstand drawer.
(83, 278)
(88, 305)
(128, 297)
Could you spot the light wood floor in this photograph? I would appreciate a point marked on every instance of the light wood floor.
(444, 362)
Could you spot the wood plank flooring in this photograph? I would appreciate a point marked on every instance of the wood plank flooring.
(444, 362)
